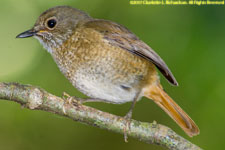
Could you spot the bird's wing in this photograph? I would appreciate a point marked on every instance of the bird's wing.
(120, 36)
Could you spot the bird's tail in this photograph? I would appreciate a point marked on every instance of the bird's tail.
(160, 97)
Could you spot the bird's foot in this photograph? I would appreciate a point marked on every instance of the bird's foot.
(70, 100)
(126, 128)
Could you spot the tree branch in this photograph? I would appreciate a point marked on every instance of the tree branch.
(36, 98)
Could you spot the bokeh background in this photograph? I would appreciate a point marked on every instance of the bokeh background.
(189, 38)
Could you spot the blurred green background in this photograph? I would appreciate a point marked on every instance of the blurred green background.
(189, 38)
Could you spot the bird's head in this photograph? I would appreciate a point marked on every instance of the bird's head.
(55, 26)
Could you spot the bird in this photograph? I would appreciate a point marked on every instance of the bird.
(106, 61)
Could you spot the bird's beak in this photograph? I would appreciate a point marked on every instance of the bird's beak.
(26, 34)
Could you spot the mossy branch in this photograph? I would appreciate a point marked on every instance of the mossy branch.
(38, 99)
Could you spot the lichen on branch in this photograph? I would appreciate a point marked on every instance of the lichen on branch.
(36, 98)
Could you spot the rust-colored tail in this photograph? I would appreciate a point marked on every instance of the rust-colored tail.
(160, 97)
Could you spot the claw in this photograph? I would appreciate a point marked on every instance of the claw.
(69, 100)
(65, 95)
(127, 125)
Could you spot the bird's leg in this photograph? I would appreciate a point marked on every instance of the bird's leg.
(128, 117)
(85, 100)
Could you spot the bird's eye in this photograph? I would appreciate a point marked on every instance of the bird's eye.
(51, 23)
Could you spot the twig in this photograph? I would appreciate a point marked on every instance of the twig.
(34, 97)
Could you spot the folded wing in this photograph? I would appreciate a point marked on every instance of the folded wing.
(120, 36)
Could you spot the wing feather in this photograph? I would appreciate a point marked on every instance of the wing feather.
(120, 36)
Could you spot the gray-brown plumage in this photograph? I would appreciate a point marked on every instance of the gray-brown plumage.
(106, 61)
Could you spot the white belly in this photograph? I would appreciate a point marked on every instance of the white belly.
(100, 88)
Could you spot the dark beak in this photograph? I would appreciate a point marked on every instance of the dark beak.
(26, 34)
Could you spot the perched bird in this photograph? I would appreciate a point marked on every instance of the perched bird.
(106, 61)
